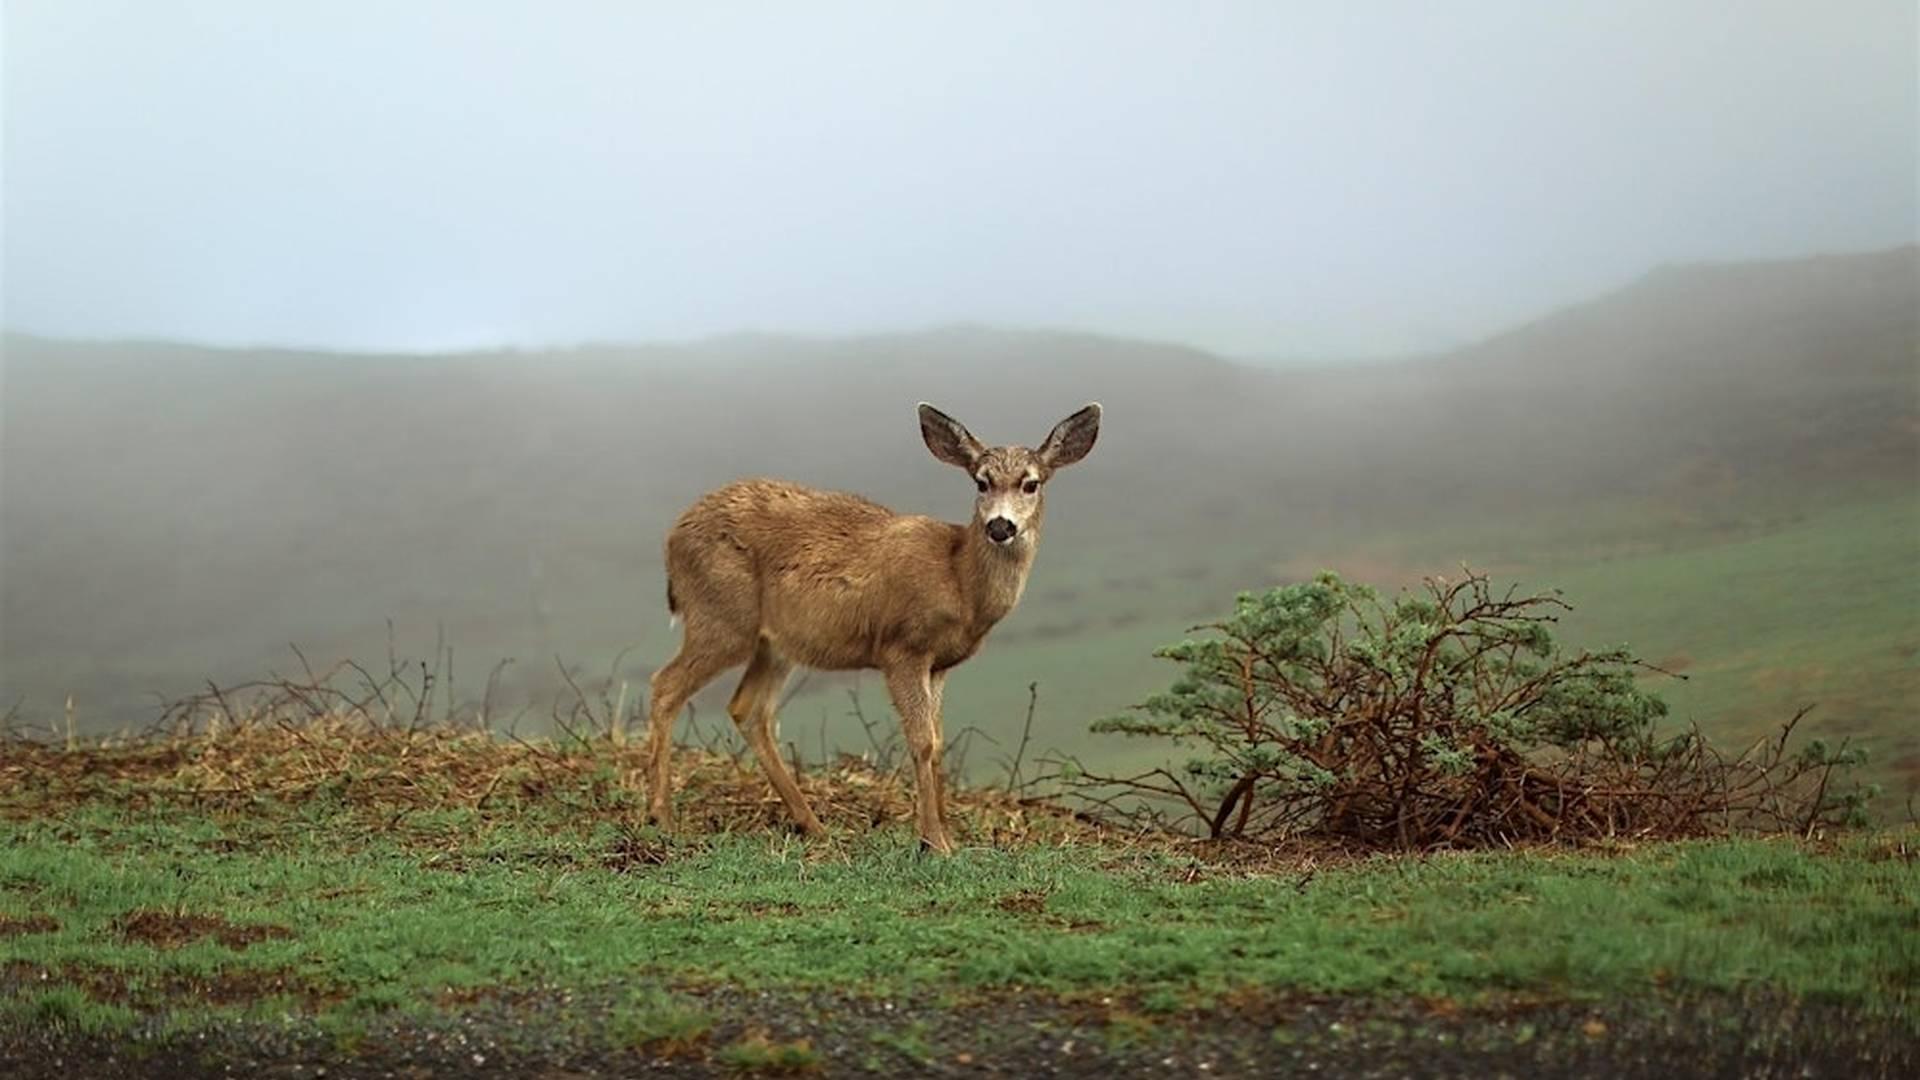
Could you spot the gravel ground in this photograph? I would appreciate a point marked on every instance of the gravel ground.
(555, 1035)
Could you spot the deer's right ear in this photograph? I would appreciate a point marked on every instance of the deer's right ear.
(948, 438)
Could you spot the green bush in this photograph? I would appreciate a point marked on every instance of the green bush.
(1443, 716)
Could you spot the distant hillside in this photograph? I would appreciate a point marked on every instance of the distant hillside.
(169, 512)
(1693, 380)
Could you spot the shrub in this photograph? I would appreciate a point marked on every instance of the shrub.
(1444, 716)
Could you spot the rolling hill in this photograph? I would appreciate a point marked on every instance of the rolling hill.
(170, 513)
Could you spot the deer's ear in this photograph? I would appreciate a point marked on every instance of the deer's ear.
(1072, 438)
(948, 438)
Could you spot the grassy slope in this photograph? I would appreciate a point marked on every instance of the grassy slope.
(1822, 611)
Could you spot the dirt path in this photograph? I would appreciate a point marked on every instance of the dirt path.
(567, 1037)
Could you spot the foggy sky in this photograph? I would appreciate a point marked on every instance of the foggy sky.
(1259, 178)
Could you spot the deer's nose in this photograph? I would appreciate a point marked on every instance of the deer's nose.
(1000, 530)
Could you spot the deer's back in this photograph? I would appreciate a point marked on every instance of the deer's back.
(827, 576)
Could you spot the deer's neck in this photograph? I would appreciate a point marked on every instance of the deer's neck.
(994, 576)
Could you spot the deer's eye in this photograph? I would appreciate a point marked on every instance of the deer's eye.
(980, 482)
(1031, 486)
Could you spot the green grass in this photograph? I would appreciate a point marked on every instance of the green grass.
(434, 911)
(911, 1042)
(1824, 611)
(64, 1009)
(650, 1019)
(761, 1055)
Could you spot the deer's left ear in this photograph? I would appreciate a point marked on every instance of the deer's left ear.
(1072, 438)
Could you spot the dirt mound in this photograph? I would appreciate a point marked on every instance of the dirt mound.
(171, 930)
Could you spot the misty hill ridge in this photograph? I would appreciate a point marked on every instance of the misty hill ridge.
(1684, 302)
(1787, 369)
(1794, 367)
(1781, 310)
(161, 501)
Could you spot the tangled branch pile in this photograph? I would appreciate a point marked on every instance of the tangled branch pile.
(1445, 717)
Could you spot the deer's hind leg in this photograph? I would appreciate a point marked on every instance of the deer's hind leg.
(707, 650)
(752, 709)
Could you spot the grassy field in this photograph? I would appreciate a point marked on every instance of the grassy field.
(1821, 612)
(364, 909)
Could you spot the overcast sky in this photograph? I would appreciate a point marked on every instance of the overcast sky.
(1255, 178)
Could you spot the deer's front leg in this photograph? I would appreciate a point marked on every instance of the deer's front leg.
(910, 685)
(937, 687)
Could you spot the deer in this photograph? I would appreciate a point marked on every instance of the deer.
(776, 575)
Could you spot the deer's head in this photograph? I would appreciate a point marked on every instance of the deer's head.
(1010, 481)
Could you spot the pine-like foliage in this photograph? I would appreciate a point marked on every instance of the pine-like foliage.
(1443, 716)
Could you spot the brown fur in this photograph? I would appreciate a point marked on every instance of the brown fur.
(775, 575)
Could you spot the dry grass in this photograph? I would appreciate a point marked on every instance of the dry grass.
(277, 744)
(261, 751)
(378, 749)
